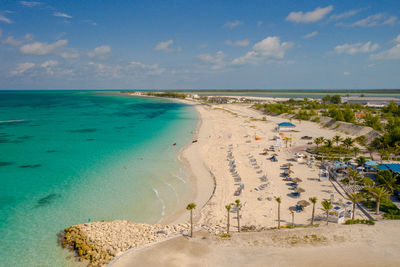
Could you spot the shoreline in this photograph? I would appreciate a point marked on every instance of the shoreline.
(188, 156)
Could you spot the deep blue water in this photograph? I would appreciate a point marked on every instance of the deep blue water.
(70, 157)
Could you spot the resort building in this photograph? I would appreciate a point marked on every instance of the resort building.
(377, 102)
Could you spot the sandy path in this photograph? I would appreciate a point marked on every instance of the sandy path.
(357, 245)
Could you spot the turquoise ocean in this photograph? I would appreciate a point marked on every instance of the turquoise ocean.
(71, 157)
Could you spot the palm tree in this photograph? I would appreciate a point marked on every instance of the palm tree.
(356, 151)
(382, 152)
(348, 142)
(388, 180)
(378, 193)
(371, 149)
(368, 181)
(279, 200)
(353, 176)
(292, 212)
(337, 139)
(228, 209)
(191, 207)
(355, 198)
(313, 201)
(361, 161)
(238, 207)
(318, 141)
(326, 207)
(328, 143)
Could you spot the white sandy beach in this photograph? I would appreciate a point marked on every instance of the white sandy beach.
(232, 128)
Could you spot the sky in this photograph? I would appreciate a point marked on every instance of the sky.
(200, 44)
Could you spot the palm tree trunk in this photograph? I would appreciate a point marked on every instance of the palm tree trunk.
(238, 219)
(354, 211)
(191, 223)
(312, 217)
(279, 216)
(228, 223)
(327, 217)
(378, 203)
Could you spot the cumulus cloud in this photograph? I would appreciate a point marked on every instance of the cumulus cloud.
(376, 20)
(12, 41)
(352, 49)
(345, 15)
(216, 62)
(397, 40)
(269, 48)
(310, 35)
(38, 48)
(311, 16)
(100, 52)
(29, 3)
(66, 55)
(346, 73)
(21, 68)
(5, 19)
(164, 46)
(390, 54)
(244, 42)
(49, 65)
(233, 24)
(62, 15)
(147, 69)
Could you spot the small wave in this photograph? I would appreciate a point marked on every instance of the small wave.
(179, 178)
(162, 204)
(10, 121)
(173, 189)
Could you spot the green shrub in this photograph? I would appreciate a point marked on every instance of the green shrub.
(358, 221)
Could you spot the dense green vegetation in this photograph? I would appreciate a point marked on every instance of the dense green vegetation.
(357, 221)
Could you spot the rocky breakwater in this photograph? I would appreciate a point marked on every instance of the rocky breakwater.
(100, 242)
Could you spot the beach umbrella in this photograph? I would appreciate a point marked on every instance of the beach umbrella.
(296, 180)
(300, 190)
(275, 155)
(289, 171)
(303, 203)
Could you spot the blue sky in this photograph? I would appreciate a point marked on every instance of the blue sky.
(256, 44)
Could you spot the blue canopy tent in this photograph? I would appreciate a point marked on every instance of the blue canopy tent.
(338, 164)
(285, 126)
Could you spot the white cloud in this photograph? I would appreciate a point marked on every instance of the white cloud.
(311, 16)
(66, 55)
(216, 62)
(12, 41)
(390, 54)
(346, 14)
(38, 48)
(352, 49)
(244, 42)
(164, 46)
(5, 19)
(397, 40)
(269, 48)
(312, 34)
(233, 24)
(100, 51)
(1, 32)
(49, 65)
(22, 68)
(346, 73)
(376, 20)
(62, 15)
(147, 69)
(29, 3)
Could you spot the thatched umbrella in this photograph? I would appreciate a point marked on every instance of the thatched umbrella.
(289, 172)
(275, 155)
(296, 180)
(300, 190)
(303, 203)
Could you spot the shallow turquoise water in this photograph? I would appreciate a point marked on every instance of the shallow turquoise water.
(70, 157)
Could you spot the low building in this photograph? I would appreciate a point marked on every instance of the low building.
(377, 102)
